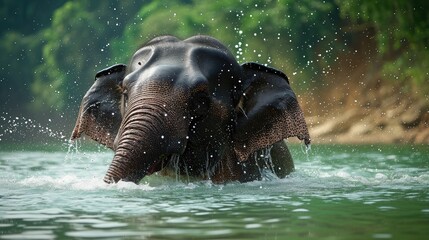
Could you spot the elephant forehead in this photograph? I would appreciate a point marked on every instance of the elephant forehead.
(173, 73)
(181, 53)
(183, 64)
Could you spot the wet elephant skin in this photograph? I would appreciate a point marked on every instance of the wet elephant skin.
(188, 107)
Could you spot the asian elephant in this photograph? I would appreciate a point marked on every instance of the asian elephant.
(188, 106)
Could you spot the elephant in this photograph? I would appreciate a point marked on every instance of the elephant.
(188, 107)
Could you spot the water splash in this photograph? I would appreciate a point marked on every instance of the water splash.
(306, 148)
(75, 182)
(26, 127)
(174, 161)
(208, 172)
(265, 164)
(267, 159)
(73, 146)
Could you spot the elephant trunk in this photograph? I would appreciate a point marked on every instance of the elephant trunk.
(148, 134)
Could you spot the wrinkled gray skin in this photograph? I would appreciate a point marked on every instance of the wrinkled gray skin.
(189, 107)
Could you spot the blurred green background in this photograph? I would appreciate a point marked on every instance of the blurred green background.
(51, 50)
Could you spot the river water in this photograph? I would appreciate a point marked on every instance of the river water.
(336, 192)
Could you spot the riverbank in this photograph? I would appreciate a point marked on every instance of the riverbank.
(382, 115)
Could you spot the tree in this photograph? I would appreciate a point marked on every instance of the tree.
(50, 54)
(76, 45)
(402, 33)
(20, 45)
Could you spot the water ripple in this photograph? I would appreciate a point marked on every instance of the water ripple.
(333, 192)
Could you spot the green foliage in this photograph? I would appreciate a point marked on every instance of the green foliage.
(402, 31)
(52, 61)
(290, 36)
(65, 53)
(76, 46)
(20, 53)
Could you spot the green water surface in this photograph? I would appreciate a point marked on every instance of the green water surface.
(336, 192)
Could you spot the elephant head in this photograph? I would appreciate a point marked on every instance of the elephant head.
(189, 99)
(99, 115)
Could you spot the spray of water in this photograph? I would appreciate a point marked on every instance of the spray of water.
(26, 127)
(265, 164)
(208, 173)
(306, 149)
(174, 161)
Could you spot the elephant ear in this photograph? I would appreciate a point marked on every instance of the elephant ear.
(267, 112)
(99, 115)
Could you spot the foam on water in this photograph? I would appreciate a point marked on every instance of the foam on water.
(348, 176)
(50, 195)
(74, 182)
(61, 194)
(85, 170)
(78, 170)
